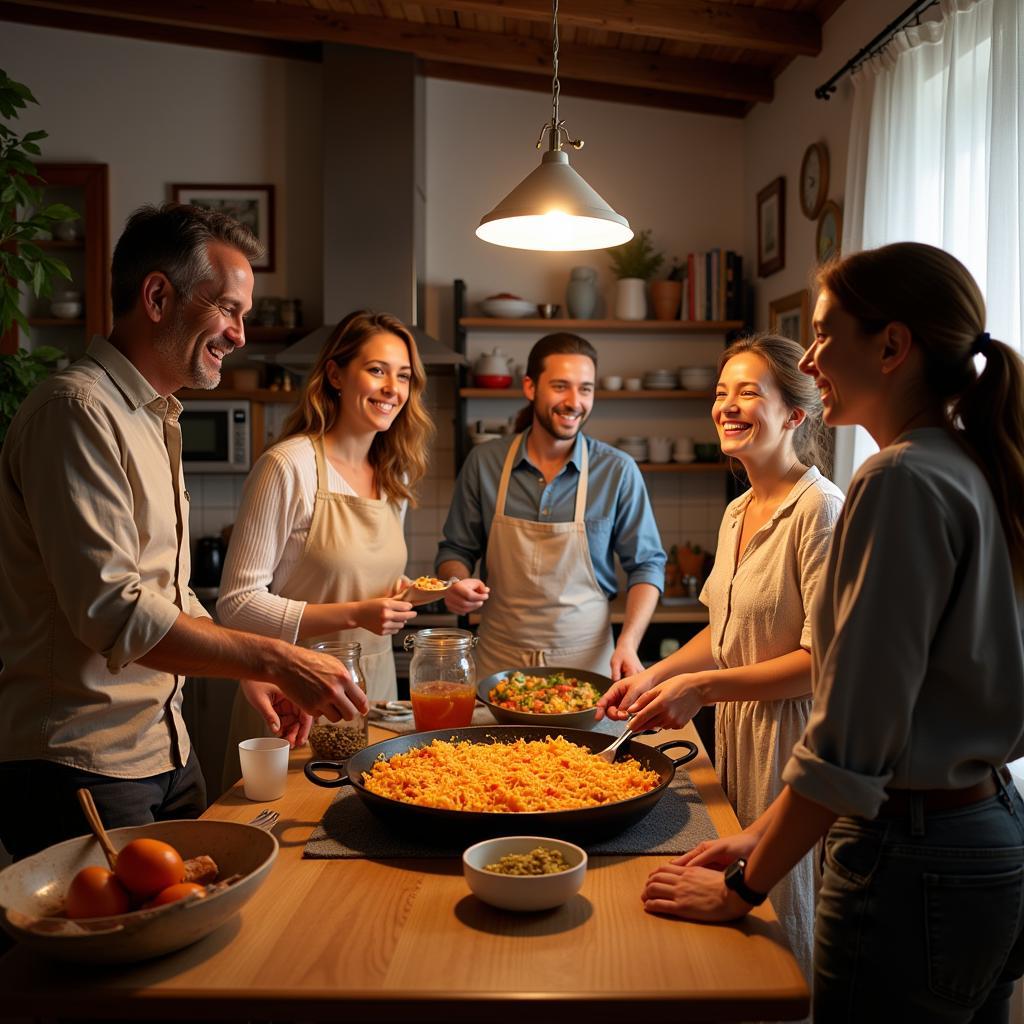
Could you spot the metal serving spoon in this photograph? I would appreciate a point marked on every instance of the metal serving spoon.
(612, 750)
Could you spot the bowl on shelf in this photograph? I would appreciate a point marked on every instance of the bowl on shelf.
(697, 378)
(67, 309)
(523, 892)
(510, 308)
(492, 380)
(707, 451)
(548, 310)
(32, 892)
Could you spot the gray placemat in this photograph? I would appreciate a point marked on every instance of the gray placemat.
(348, 829)
(482, 716)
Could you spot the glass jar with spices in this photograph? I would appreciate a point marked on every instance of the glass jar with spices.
(442, 678)
(338, 741)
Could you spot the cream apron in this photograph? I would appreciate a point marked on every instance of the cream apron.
(546, 607)
(355, 551)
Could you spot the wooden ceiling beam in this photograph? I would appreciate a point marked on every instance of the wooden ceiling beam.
(440, 43)
(705, 22)
(587, 90)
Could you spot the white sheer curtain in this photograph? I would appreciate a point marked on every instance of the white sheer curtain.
(936, 148)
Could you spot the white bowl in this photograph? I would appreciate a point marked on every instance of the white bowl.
(697, 378)
(611, 383)
(35, 888)
(511, 308)
(523, 892)
(634, 383)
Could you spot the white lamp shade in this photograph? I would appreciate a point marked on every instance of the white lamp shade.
(555, 210)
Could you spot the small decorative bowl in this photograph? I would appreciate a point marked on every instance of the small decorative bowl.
(523, 892)
(508, 308)
(492, 380)
(707, 452)
(68, 310)
(548, 310)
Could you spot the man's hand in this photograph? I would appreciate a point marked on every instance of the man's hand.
(697, 894)
(318, 684)
(466, 596)
(283, 717)
(625, 660)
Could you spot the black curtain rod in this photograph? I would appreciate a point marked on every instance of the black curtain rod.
(824, 92)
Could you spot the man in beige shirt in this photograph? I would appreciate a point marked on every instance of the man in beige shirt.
(98, 626)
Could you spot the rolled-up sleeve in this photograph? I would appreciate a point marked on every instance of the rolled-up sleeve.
(635, 538)
(90, 548)
(876, 633)
(464, 537)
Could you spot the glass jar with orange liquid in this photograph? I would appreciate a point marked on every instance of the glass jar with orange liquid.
(442, 678)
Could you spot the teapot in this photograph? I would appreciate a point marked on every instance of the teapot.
(493, 370)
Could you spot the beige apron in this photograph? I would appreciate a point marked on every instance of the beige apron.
(546, 607)
(355, 551)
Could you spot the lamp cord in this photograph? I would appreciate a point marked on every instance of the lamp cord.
(555, 87)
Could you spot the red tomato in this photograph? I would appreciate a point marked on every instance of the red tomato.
(146, 866)
(95, 892)
(173, 893)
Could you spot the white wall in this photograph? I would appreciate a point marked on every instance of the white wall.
(776, 135)
(159, 113)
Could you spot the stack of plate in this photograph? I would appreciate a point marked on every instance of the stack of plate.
(635, 446)
(660, 380)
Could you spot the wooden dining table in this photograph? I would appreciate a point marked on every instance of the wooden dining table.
(405, 940)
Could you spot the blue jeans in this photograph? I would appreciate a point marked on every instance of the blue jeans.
(921, 918)
(39, 805)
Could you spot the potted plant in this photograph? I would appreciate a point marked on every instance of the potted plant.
(22, 263)
(634, 263)
(667, 295)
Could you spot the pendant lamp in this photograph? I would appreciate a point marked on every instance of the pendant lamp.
(553, 209)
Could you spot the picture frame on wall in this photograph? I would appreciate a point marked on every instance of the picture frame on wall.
(790, 316)
(251, 205)
(771, 228)
(829, 235)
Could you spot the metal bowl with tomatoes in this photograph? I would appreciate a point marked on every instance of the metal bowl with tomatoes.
(544, 695)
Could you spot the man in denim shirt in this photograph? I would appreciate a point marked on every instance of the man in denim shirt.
(545, 512)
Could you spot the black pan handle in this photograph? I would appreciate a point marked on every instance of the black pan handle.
(691, 751)
(331, 766)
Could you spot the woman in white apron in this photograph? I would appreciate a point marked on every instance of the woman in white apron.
(546, 606)
(318, 551)
(753, 660)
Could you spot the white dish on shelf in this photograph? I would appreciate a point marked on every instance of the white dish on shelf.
(508, 308)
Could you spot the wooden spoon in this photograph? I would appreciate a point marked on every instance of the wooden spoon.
(93, 817)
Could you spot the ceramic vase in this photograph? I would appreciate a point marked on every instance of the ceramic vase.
(631, 298)
(581, 295)
(666, 297)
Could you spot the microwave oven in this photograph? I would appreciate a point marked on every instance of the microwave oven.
(216, 436)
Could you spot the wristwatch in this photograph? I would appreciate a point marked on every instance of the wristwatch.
(734, 880)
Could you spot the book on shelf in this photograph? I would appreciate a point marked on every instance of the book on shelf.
(713, 287)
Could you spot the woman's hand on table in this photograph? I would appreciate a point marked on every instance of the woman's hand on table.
(466, 596)
(694, 893)
(720, 853)
(669, 705)
(618, 697)
(384, 616)
(283, 716)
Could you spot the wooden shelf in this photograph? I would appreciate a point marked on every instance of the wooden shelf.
(537, 323)
(256, 395)
(600, 393)
(683, 467)
(54, 321)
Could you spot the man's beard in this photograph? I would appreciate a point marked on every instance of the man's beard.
(546, 420)
(173, 344)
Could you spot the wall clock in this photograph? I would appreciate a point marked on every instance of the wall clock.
(830, 231)
(814, 179)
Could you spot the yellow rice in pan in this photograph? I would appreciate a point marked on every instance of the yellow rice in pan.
(526, 775)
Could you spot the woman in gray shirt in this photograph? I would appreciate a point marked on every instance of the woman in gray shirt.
(918, 665)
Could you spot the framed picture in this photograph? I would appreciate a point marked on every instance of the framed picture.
(251, 205)
(790, 316)
(830, 231)
(771, 228)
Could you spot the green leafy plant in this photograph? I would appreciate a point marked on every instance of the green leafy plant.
(636, 258)
(21, 261)
(20, 372)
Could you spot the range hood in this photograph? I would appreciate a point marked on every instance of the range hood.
(374, 197)
(303, 353)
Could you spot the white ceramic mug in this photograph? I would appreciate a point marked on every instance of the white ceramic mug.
(659, 449)
(264, 762)
(683, 449)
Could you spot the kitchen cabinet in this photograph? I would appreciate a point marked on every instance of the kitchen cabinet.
(83, 187)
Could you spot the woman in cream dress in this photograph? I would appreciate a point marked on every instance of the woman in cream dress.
(753, 659)
(318, 552)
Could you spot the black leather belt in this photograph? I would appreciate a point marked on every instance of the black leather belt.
(899, 803)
